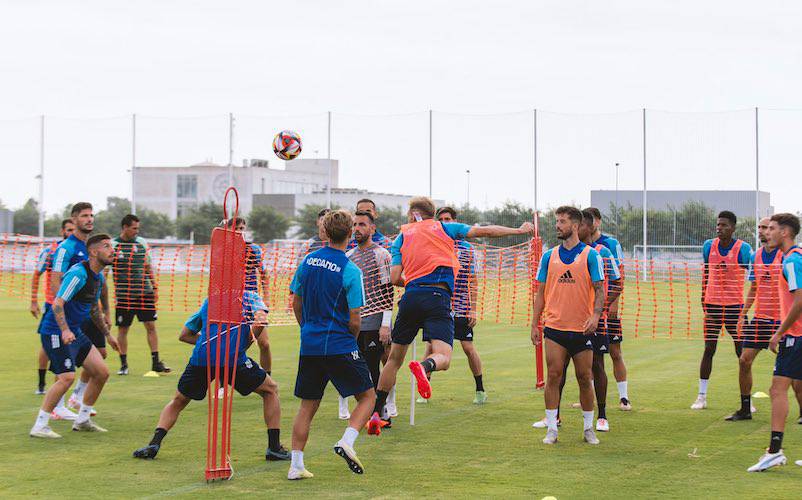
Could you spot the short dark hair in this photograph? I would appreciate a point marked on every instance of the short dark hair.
(366, 214)
(790, 221)
(726, 214)
(594, 212)
(366, 200)
(322, 212)
(80, 207)
(588, 215)
(96, 238)
(338, 225)
(446, 210)
(128, 220)
(65, 222)
(572, 212)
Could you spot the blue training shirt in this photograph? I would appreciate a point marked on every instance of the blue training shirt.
(69, 252)
(595, 264)
(792, 270)
(613, 245)
(455, 231)
(610, 264)
(330, 285)
(253, 265)
(251, 303)
(467, 268)
(768, 258)
(80, 290)
(744, 256)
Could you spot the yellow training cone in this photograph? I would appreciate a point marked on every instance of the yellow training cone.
(760, 394)
(150, 374)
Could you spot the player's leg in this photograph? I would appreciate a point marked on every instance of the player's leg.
(350, 375)
(300, 436)
(797, 385)
(98, 372)
(123, 318)
(62, 364)
(426, 353)
(265, 356)
(148, 318)
(252, 378)
(732, 315)
(407, 323)
(583, 367)
(748, 355)
(616, 337)
(438, 328)
(475, 365)
(600, 388)
(543, 423)
(713, 322)
(386, 381)
(97, 339)
(42, 371)
(556, 358)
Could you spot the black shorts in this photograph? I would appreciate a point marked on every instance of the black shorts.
(192, 383)
(64, 358)
(600, 339)
(614, 330)
(789, 358)
(145, 310)
(94, 334)
(462, 331)
(717, 316)
(369, 341)
(758, 332)
(428, 308)
(573, 342)
(348, 373)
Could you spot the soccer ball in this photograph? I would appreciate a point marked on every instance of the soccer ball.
(287, 145)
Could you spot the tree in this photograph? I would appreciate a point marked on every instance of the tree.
(200, 221)
(511, 214)
(151, 224)
(307, 220)
(267, 224)
(26, 219)
(390, 220)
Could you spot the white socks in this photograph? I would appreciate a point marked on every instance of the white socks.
(42, 420)
(703, 386)
(78, 393)
(349, 436)
(391, 397)
(83, 414)
(587, 419)
(622, 390)
(297, 460)
(551, 419)
(60, 403)
(343, 404)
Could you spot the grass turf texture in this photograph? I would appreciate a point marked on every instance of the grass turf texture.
(455, 450)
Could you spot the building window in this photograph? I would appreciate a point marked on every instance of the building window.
(186, 187)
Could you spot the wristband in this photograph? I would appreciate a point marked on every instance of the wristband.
(387, 318)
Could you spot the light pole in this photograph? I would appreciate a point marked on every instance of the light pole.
(468, 195)
(616, 198)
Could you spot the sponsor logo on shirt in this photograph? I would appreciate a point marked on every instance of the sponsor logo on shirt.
(319, 262)
(567, 277)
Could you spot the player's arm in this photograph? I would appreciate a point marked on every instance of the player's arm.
(613, 292)
(188, 335)
(61, 320)
(355, 321)
(100, 320)
(750, 297)
(396, 269)
(538, 303)
(705, 259)
(353, 282)
(35, 293)
(104, 302)
(596, 270)
(494, 231)
(397, 275)
(298, 308)
(259, 326)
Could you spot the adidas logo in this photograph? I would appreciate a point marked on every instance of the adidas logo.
(469, 336)
(566, 277)
(603, 348)
(615, 338)
(588, 343)
(372, 344)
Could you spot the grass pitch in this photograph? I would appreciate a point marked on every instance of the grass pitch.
(455, 449)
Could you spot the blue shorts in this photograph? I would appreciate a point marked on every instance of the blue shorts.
(46, 308)
(192, 383)
(758, 332)
(462, 331)
(573, 342)
(64, 358)
(789, 358)
(424, 307)
(348, 373)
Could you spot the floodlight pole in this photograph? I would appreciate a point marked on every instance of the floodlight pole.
(133, 163)
(41, 177)
(328, 157)
(757, 179)
(534, 150)
(231, 149)
(645, 207)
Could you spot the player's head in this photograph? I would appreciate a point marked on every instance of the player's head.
(337, 225)
(783, 228)
(568, 220)
(364, 226)
(320, 232)
(597, 218)
(420, 207)
(762, 230)
(587, 226)
(367, 205)
(725, 224)
(99, 247)
(237, 224)
(130, 227)
(83, 217)
(446, 214)
(67, 228)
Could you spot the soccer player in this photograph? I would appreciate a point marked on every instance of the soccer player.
(425, 263)
(66, 345)
(70, 252)
(725, 260)
(464, 308)
(787, 340)
(249, 376)
(374, 262)
(614, 331)
(327, 301)
(44, 265)
(136, 291)
(317, 241)
(367, 205)
(572, 297)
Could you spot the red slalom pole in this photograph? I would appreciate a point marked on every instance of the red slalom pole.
(537, 248)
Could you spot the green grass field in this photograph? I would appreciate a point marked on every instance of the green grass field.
(455, 450)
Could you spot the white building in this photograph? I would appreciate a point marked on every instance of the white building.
(173, 190)
(290, 204)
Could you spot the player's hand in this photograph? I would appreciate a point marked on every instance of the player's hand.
(384, 335)
(107, 320)
(34, 309)
(113, 342)
(535, 335)
(774, 342)
(591, 324)
(471, 321)
(155, 295)
(527, 228)
(67, 337)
